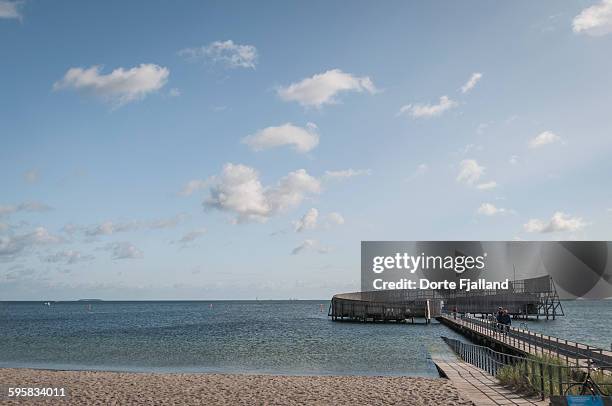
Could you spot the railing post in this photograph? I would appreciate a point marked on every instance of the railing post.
(541, 379)
(496, 362)
(576, 354)
(550, 380)
(559, 370)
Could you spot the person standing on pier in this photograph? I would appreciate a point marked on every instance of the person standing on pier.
(499, 317)
(506, 320)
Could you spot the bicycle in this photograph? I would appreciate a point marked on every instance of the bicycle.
(589, 385)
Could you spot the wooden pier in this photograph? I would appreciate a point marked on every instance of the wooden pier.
(514, 340)
(543, 377)
(482, 388)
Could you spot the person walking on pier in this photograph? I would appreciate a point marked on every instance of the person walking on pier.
(506, 320)
(499, 318)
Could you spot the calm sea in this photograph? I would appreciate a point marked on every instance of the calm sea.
(279, 337)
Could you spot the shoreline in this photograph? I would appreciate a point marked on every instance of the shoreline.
(170, 371)
(104, 387)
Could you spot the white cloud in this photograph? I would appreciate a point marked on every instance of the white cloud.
(310, 221)
(26, 207)
(428, 110)
(165, 222)
(472, 81)
(33, 207)
(310, 245)
(292, 189)
(307, 222)
(192, 236)
(10, 9)
(15, 244)
(32, 176)
(123, 250)
(120, 86)
(239, 191)
(68, 257)
(110, 227)
(420, 170)
(71, 229)
(514, 159)
(559, 222)
(194, 185)
(174, 92)
(41, 235)
(482, 128)
(20, 273)
(469, 148)
(346, 174)
(489, 209)
(470, 171)
(487, 185)
(227, 53)
(303, 139)
(335, 218)
(595, 20)
(322, 88)
(544, 138)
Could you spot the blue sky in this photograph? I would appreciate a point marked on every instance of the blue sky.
(215, 150)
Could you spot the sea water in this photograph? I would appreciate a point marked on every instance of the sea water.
(277, 337)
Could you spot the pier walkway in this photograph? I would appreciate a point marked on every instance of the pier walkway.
(528, 342)
(480, 387)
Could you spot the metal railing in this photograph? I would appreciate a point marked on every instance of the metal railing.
(542, 376)
(537, 343)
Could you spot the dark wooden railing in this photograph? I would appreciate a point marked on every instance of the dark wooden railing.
(535, 343)
(545, 376)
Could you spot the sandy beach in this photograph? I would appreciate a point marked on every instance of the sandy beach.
(119, 388)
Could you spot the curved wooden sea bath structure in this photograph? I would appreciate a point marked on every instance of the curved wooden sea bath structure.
(524, 298)
(386, 306)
